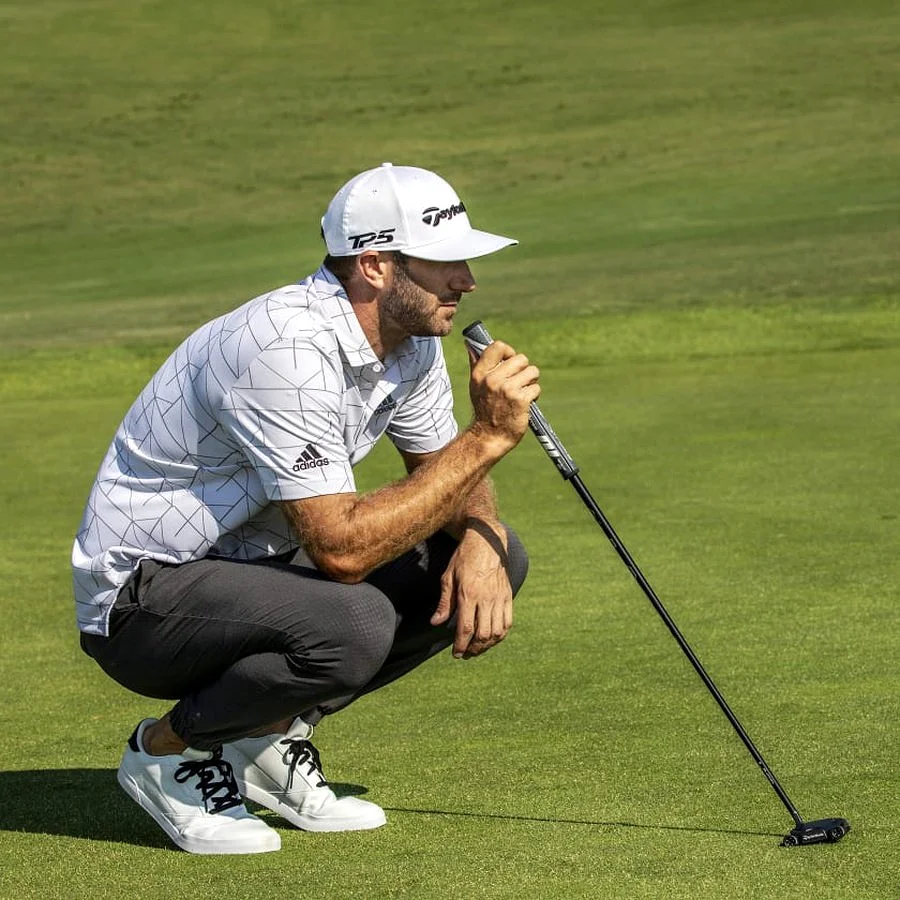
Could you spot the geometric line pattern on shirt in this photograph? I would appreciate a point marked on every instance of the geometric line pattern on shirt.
(214, 438)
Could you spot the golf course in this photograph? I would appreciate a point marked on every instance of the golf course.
(707, 200)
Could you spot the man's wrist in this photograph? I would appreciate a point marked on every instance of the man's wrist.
(479, 523)
(475, 523)
(494, 444)
(484, 533)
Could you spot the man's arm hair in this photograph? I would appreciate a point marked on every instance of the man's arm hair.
(349, 535)
(478, 506)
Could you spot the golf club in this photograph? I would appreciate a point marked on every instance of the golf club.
(818, 832)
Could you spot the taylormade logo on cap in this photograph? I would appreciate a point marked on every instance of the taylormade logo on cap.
(434, 216)
(404, 208)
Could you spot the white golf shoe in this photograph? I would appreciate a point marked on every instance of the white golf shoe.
(282, 772)
(194, 799)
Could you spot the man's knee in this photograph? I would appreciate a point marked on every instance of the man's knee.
(356, 641)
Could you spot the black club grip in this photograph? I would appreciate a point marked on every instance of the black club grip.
(477, 339)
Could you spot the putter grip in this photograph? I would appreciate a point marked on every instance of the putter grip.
(477, 338)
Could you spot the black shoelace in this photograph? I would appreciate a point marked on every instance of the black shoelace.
(302, 753)
(215, 780)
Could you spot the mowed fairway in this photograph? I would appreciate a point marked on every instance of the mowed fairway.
(708, 204)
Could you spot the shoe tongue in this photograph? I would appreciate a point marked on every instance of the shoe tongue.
(299, 730)
(192, 753)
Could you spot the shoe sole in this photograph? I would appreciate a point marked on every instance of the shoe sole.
(310, 823)
(189, 844)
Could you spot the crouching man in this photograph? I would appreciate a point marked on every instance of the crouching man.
(225, 560)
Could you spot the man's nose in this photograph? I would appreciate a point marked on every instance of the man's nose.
(462, 278)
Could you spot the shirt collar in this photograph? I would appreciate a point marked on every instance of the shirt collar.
(334, 303)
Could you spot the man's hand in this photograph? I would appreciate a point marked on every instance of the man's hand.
(502, 386)
(476, 587)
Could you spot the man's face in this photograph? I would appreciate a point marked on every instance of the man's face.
(423, 296)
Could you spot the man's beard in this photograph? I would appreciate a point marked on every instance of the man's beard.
(409, 308)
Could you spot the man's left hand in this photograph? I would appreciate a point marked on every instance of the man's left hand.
(476, 587)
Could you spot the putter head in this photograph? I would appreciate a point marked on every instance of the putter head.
(822, 831)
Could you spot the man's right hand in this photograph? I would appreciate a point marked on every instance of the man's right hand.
(502, 386)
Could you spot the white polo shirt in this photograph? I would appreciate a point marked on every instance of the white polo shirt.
(277, 400)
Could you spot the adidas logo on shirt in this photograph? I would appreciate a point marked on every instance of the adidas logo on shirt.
(310, 458)
(386, 405)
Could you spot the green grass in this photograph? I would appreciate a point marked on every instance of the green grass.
(708, 277)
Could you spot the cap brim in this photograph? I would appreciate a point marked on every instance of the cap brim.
(470, 245)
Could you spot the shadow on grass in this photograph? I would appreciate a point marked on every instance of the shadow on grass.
(87, 803)
(558, 820)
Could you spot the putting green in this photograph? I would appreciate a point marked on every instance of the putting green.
(707, 204)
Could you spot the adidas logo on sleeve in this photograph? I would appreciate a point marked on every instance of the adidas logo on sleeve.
(310, 458)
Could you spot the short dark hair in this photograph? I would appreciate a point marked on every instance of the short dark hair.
(340, 266)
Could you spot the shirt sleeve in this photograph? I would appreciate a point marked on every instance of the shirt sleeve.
(424, 422)
(287, 411)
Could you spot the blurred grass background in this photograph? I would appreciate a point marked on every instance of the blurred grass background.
(707, 201)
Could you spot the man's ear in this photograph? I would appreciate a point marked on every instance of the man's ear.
(374, 268)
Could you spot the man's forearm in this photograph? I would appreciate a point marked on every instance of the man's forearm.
(477, 515)
(348, 536)
(361, 533)
(480, 506)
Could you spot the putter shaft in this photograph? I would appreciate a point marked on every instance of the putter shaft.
(632, 566)
(824, 830)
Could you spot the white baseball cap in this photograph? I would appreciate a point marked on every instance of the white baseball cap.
(404, 208)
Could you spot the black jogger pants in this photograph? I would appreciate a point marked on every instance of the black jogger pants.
(241, 645)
